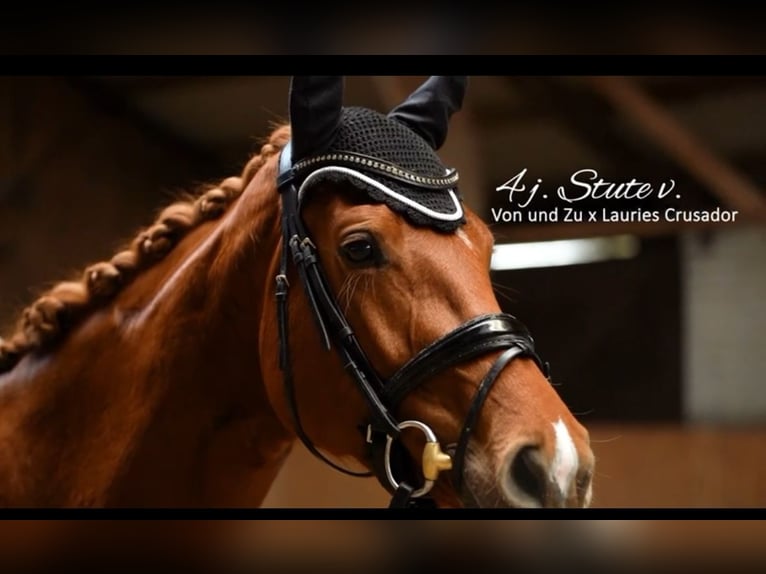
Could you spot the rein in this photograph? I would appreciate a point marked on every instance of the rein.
(474, 338)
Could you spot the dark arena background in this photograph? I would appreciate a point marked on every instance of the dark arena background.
(654, 325)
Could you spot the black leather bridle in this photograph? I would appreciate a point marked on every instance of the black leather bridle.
(474, 338)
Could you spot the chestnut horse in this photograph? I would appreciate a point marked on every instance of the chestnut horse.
(155, 379)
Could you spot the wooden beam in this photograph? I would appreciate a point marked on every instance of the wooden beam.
(734, 189)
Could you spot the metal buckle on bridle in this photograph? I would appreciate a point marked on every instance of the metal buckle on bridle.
(282, 284)
(434, 460)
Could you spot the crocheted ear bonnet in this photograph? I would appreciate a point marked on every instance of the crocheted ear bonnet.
(392, 158)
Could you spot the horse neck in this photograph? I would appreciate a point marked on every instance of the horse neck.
(157, 398)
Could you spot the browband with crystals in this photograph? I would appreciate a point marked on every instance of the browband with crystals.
(456, 215)
(379, 166)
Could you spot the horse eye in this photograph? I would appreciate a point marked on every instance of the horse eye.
(360, 250)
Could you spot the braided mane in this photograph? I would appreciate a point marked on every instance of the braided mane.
(59, 310)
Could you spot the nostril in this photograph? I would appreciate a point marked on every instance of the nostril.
(528, 473)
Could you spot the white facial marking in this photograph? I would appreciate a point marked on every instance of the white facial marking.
(462, 235)
(565, 460)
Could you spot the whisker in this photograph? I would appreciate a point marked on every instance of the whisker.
(505, 292)
(356, 278)
(484, 485)
(504, 288)
(504, 296)
(373, 293)
(369, 283)
(344, 289)
(359, 278)
(605, 440)
(347, 290)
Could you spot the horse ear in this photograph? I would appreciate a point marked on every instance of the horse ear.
(428, 109)
(315, 106)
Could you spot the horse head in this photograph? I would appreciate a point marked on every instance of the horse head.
(394, 351)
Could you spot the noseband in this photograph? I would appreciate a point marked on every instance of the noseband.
(472, 339)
